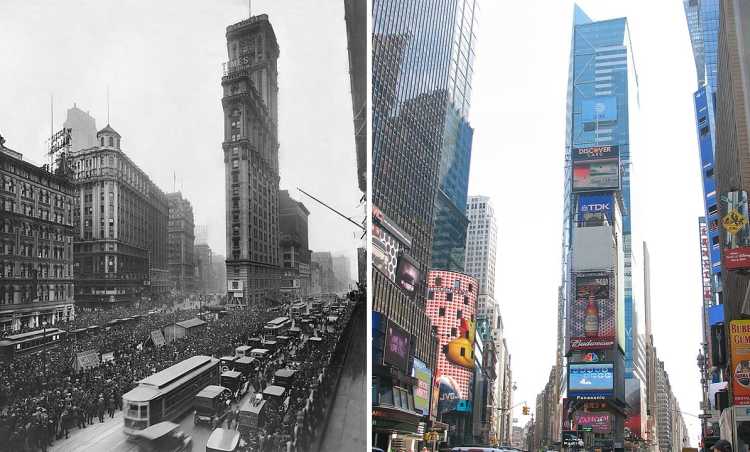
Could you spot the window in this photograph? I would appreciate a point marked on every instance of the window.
(449, 296)
(102, 141)
(456, 283)
(441, 312)
(438, 282)
(453, 332)
(466, 300)
(111, 141)
(471, 287)
(459, 314)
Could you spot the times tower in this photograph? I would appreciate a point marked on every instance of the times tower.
(251, 161)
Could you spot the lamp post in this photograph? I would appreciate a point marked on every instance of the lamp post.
(44, 351)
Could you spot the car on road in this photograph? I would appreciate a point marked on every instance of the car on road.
(162, 437)
(223, 440)
(212, 405)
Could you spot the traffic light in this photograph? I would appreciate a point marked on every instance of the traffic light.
(525, 410)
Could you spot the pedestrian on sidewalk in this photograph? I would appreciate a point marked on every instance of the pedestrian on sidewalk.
(722, 446)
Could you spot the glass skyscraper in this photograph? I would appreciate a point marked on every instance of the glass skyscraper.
(423, 53)
(602, 96)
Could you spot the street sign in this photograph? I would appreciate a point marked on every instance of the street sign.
(705, 416)
(733, 221)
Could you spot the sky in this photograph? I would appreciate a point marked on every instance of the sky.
(162, 62)
(518, 114)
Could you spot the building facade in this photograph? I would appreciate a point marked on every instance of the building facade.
(481, 253)
(327, 277)
(120, 220)
(451, 307)
(343, 273)
(355, 15)
(251, 160)
(181, 243)
(204, 274)
(294, 247)
(36, 244)
(83, 129)
(596, 255)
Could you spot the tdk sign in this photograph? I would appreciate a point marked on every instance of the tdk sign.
(601, 207)
(595, 203)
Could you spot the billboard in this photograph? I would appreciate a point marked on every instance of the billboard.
(591, 380)
(460, 351)
(635, 422)
(705, 262)
(596, 153)
(594, 209)
(592, 422)
(449, 394)
(423, 386)
(596, 175)
(736, 250)
(397, 345)
(599, 109)
(407, 275)
(739, 338)
(592, 320)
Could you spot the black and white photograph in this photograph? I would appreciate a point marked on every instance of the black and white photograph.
(183, 226)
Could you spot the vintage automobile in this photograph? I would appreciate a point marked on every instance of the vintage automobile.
(223, 440)
(212, 405)
(162, 437)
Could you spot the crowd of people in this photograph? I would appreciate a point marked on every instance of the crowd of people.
(43, 397)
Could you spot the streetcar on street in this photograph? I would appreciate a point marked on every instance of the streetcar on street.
(29, 342)
(166, 395)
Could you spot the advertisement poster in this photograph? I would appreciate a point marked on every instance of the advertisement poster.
(593, 422)
(385, 250)
(599, 109)
(591, 380)
(596, 153)
(592, 321)
(594, 209)
(460, 351)
(449, 394)
(423, 387)
(736, 250)
(396, 351)
(407, 275)
(739, 338)
(596, 175)
(635, 422)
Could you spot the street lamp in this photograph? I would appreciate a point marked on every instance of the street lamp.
(44, 351)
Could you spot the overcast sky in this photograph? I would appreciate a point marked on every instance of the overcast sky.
(518, 112)
(162, 63)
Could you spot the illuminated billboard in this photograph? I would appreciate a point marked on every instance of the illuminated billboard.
(451, 307)
(596, 153)
(592, 320)
(599, 109)
(591, 380)
(397, 344)
(407, 275)
(736, 250)
(739, 339)
(596, 175)
(597, 422)
(594, 209)
(423, 386)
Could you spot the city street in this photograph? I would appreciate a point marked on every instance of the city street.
(108, 436)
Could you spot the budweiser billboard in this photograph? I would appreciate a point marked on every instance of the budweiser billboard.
(592, 319)
(591, 343)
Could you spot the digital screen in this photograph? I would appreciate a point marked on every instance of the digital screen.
(591, 378)
(596, 175)
(407, 275)
(396, 351)
(599, 109)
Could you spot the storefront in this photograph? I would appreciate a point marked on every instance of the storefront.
(395, 428)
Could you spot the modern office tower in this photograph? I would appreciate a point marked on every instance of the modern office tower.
(481, 253)
(83, 128)
(121, 220)
(181, 242)
(422, 56)
(451, 306)
(355, 15)
(36, 244)
(597, 260)
(251, 160)
(293, 244)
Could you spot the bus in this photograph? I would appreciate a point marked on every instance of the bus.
(278, 325)
(165, 395)
(29, 342)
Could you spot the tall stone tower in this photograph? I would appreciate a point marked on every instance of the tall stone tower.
(251, 161)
